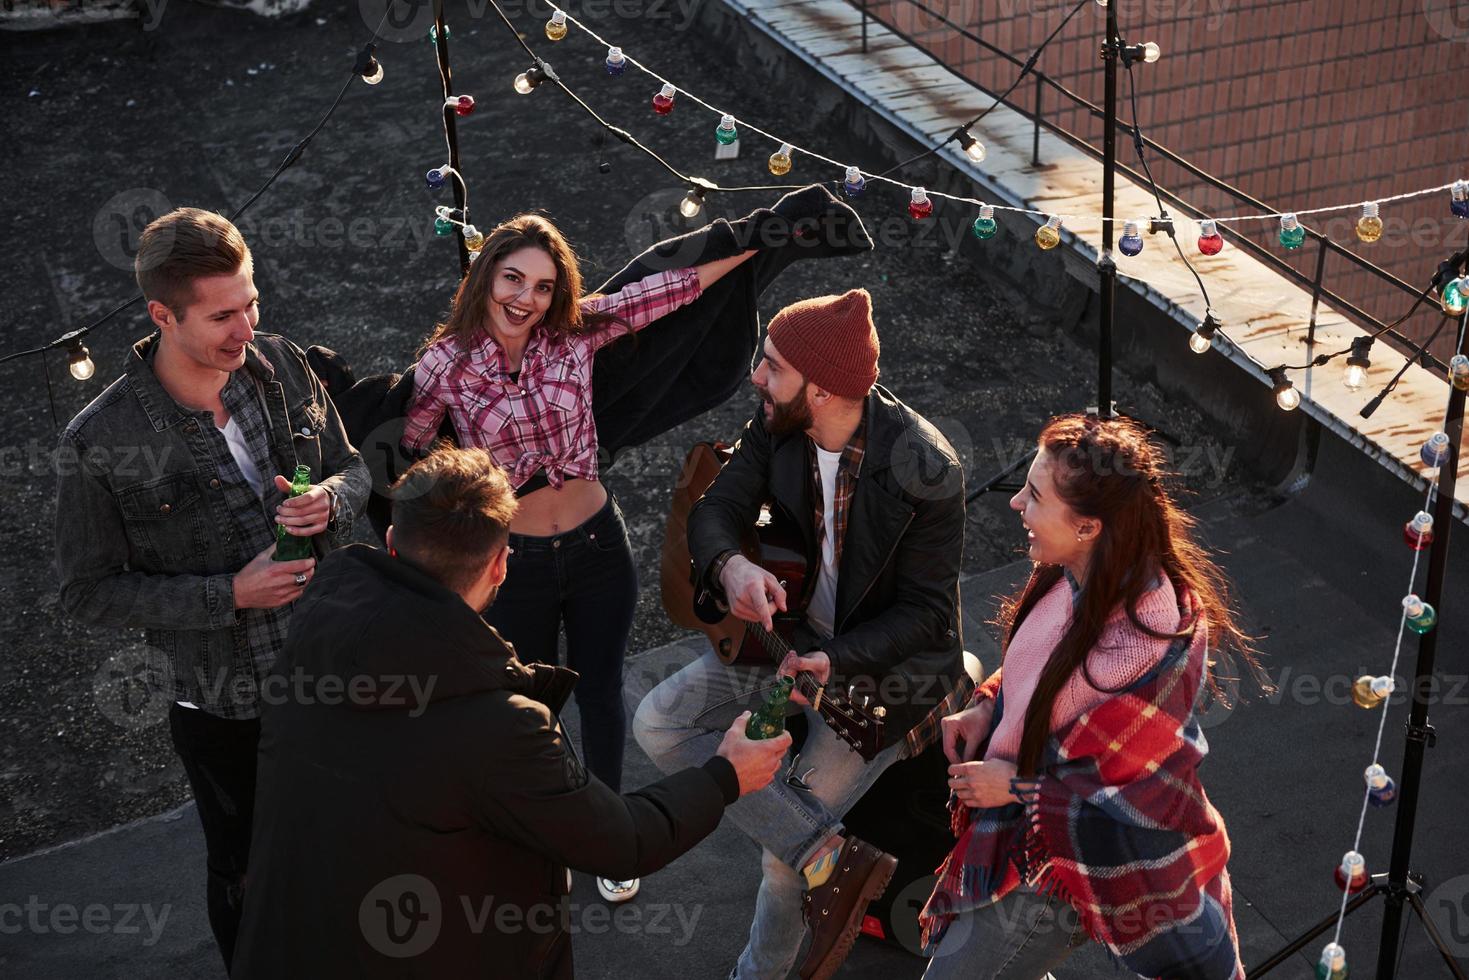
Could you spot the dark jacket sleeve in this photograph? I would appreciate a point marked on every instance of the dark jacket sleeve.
(925, 606)
(731, 503)
(541, 797)
(346, 472)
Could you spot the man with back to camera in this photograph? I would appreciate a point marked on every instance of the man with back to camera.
(166, 513)
(419, 803)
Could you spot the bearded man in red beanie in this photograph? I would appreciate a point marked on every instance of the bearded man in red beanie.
(878, 494)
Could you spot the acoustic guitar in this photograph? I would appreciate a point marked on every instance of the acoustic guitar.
(774, 543)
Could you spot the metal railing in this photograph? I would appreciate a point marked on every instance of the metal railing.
(1036, 114)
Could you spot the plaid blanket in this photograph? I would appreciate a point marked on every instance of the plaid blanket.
(1118, 824)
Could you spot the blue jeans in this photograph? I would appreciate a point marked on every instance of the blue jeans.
(681, 722)
(1023, 936)
(584, 580)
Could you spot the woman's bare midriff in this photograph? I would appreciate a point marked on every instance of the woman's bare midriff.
(550, 511)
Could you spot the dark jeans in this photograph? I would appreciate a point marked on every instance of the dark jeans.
(585, 580)
(219, 758)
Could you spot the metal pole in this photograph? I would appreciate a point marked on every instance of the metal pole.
(451, 134)
(1316, 296)
(1106, 267)
(864, 26)
(1420, 733)
(1035, 138)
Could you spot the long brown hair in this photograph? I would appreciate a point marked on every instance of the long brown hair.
(1110, 470)
(564, 317)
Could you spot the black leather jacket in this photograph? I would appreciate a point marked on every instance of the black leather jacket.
(898, 632)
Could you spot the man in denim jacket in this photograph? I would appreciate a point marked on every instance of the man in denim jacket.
(170, 485)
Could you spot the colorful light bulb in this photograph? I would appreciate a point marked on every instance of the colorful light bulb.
(1459, 199)
(1286, 394)
(1210, 241)
(1333, 963)
(79, 362)
(1368, 691)
(1459, 371)
(1453, 296)
(854, 183)
(462, 105)
(1203, 336)
(919, 206)
(1131, 241)
(663, 101)
(435, 178)
(725, 132)
(556, 26)
(1048, 235)
(1419, 531)
(443, 227)
(433, 33)
(616, 62)
(1435, 451)
(1351, 873)
(474, 240)
(1381, 790)
(1358, 361)
(1292, 235)
(1369, 226)
(985, 226)
(780, 160)
(1420, 616)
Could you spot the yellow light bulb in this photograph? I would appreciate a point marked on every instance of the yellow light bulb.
(1369, 226)
(780, 160)
(1048, 235)
(556, 26)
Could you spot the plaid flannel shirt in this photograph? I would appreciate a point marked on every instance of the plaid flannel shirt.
(543, 418)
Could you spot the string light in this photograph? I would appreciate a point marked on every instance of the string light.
(1358, 361)
(1131, 242)
(462, 105)
(780, 160)
(436, 177)
(556, 26)
(530, 79)
(79, 361)
(1203, 336)
(1419, 531)
(474, 240)
(919, 206)
(972, 147)
(1351, 874)
(726, 133)
(1292, 235)
(1435, 451)
(692, 203)
(1286, 395)
(1459, 199)
(1333, 963)
(1381, 788)
(1369, 226)
(1369, 692)
(1453, 296)
(663, 101)
(444, 220)
(368, 66)
(1459, 371)
(1210, 241)
(1419, 615)
(433, 33)
(985, 226)
(615, 64)
(1048, 235)
(854, 183)
(1147, 53)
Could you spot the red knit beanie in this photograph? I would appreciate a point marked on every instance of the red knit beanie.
(831, 341)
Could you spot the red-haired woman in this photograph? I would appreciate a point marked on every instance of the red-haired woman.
(1077, 803)
(512, 368)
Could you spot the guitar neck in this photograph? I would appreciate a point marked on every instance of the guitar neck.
(806, 682)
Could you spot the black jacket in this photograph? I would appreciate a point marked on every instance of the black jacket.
(417, 802)
(676, 368)
(898, 632)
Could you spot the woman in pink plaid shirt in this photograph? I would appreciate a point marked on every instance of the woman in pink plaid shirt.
(512, 368)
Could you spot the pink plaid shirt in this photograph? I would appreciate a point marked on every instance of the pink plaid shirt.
(544, 420)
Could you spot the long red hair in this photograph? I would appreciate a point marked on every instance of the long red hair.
(1111, 470)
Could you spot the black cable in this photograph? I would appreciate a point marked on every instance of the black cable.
(1024, 70)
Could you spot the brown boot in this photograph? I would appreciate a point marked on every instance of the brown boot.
(834, 911)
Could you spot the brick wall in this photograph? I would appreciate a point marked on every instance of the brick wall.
(1300, 103)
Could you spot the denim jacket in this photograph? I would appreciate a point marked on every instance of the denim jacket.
(142, 529)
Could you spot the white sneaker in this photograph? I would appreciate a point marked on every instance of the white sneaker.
(617, 891)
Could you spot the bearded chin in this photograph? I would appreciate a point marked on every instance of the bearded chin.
(794, 416)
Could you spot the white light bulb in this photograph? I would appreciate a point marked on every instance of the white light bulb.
(523, 85)
(376, 76)
(691, 205)
(1151, 52)
(1200, 344)
(81, 365)
(1355, 377)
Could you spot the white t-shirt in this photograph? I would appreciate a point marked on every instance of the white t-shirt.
(241, 452)
(821, 613)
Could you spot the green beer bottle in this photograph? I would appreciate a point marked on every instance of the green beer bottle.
(289, 547)
(770, 720)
